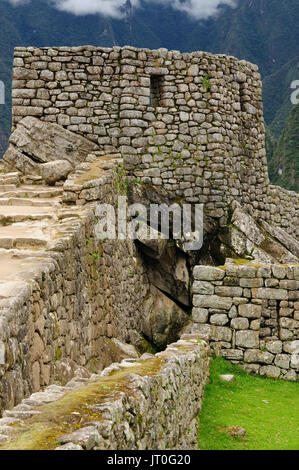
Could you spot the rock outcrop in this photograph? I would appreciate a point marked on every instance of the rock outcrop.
(46, 149)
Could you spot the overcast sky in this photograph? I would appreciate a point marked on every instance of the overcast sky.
(197, 9)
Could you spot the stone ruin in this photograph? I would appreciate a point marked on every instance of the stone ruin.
(90, 124)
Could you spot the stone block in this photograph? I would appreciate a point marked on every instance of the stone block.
(233, 354)
(271, 294)
(250, 310)
(282, 361)
(212, 301)
(203, 287)
(239, 324)
(257, 356)
(219, 319)
(247, 339)
(226, 291)
(221, 333)
(200, 315)
(272, 372)
(208, 273)
(274, 347)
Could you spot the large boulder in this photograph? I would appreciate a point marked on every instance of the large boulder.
(246, 238)
(162, 319)
(55, 171)
(170, 274)
(36, 142)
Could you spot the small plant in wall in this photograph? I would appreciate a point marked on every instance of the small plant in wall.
(137, 181)
(205, 81)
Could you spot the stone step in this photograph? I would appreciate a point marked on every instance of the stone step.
(27, 202)
(12, 214)
(26, 235)
(9, 243)
(10, 180)
(23, 192)
(7, 187)
(13, 264)
(10, 266)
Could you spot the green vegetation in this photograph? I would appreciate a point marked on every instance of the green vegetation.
(205, 81)
(284, 155)
(268, 409)
(76, 408)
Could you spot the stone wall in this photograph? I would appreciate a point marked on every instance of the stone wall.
(251, 315)
(147, 404)
(201, 136)
(284, 209)
(71, 300)
(190, 122)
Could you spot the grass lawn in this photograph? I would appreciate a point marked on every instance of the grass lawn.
(269, 426)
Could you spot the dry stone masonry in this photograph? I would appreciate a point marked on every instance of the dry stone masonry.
(89, 125)
(67, 298)
(192, 123)
(149, 403)
(250, 314)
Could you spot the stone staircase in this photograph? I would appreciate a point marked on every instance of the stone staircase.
(33, 215)
(29, 215)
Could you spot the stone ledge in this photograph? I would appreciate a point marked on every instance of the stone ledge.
(163, 394)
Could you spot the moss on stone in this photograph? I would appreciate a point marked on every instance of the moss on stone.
(94, 173)
(76, 407)
(58, 354)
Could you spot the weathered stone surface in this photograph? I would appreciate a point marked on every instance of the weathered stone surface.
(227, 378)
(268, 293)
(240, 323)
(200, 315)
(170, 274)
(44, 142)
(87, 437)
(282, 236)
(219, 319)
(233, 354)
(270, 371)
(282, 361)
(203, 287)
(162, 318)
(128, 349)
(236, 431)
(69, 446)
(220, 333)
(55, 171)
(263, 244)
(155, 246)
(274, 347)
(247, 339)
(255, 355)
(212, 301)
(208, 273)
(250, 310)
(179, 381)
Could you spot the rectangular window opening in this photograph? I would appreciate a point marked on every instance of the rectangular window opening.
(156, 91)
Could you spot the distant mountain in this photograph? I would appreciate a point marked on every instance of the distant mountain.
(284, 161)
(265, 32)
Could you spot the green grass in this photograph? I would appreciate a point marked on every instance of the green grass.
(269, 426)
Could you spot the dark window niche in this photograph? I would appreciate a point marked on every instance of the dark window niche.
(156, 91)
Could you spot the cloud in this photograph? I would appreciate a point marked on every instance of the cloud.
(16, 3)
(196, 9)
(112, 8)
